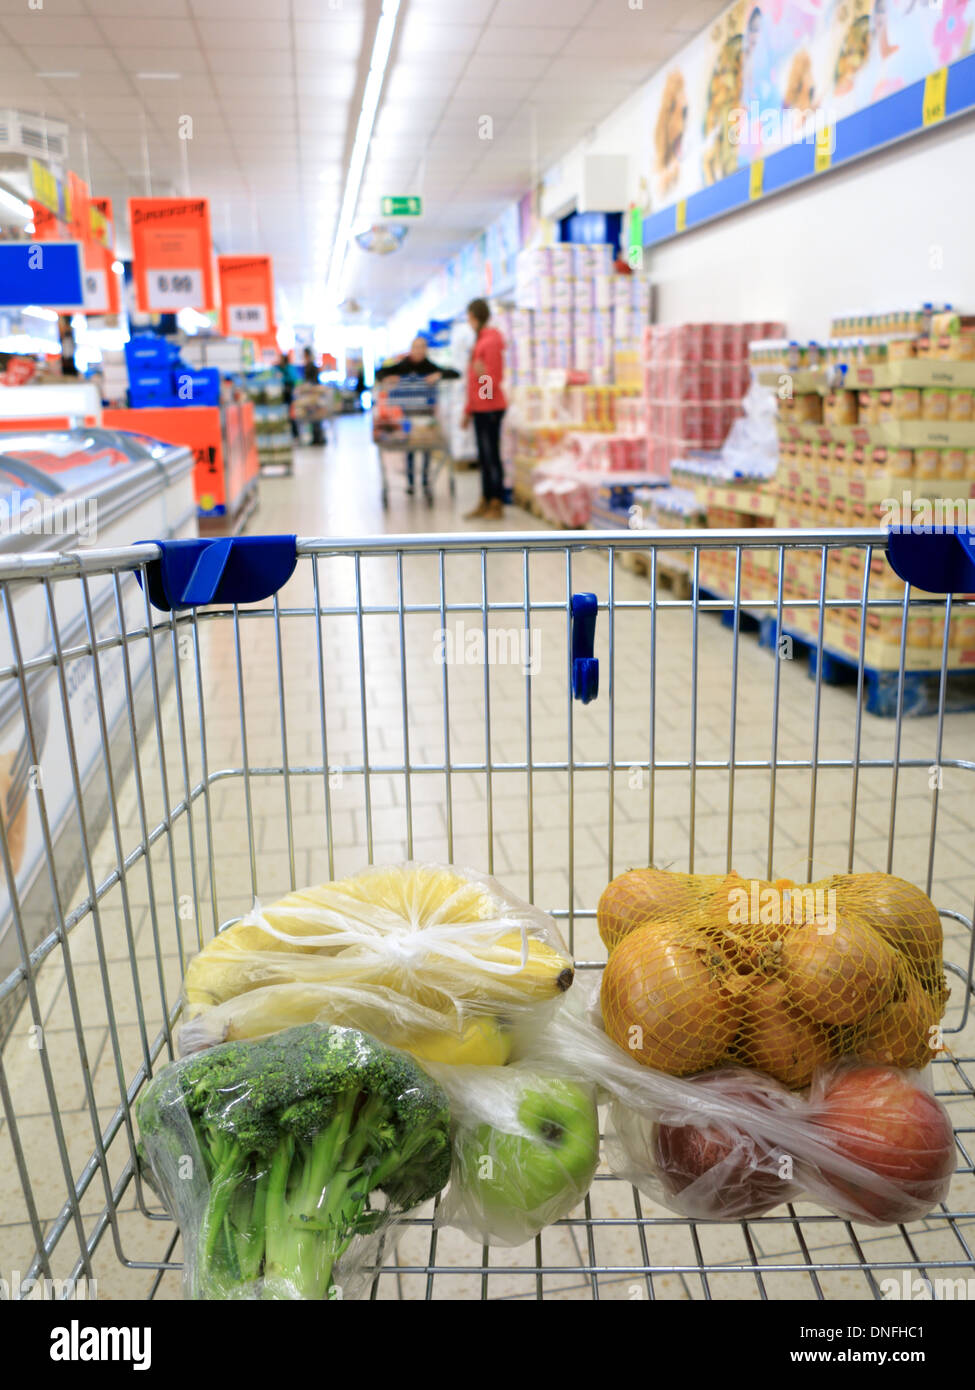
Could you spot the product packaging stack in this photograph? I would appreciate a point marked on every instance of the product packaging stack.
(695, 377)
(272, 418)
(114, 377)
(575, 313)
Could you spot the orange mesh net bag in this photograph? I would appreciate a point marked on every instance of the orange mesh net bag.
(711, 970)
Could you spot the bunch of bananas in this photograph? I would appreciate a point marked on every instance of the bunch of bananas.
(422, 957)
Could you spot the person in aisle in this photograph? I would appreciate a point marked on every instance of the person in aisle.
(68, 365)
(417, 363)
(311, 372)
(486, 405)
(288, 384)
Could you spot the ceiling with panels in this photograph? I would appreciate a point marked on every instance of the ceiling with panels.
(273, 89)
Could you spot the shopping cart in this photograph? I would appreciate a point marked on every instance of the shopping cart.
(406, 420)
(198, 758)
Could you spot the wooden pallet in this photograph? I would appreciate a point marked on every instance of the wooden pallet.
(670, 577)
(524, 497)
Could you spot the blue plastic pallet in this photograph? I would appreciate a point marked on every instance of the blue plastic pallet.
(921, 688)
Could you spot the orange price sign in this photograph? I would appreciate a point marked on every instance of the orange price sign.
(172, 254)
(246, 296)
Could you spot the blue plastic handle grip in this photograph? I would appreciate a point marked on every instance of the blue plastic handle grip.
(936, 560)
(585, 667)
(229, 569)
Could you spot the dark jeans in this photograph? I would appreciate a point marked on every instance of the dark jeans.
(425, 467)
(487, 432)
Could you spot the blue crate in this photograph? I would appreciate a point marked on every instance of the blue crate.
(413, 395)
(148, 352)
(143, 399)
(150, 382)
(199, 386)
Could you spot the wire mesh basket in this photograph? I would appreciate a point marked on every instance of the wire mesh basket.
(411, 698)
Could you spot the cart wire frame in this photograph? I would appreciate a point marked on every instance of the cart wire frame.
(161, 636)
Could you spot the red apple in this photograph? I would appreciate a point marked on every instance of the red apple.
(741, 1171)
(879, 1118)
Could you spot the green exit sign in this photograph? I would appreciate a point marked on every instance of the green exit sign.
(402, 207)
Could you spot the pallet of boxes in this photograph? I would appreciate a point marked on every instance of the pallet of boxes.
(665, 509)
(876, 430)
(731, 504)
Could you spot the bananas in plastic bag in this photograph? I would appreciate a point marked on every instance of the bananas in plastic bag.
(440, 961)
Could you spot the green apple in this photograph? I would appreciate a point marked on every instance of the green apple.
(517, 1183)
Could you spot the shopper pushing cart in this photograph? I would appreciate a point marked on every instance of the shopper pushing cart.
(412, 383)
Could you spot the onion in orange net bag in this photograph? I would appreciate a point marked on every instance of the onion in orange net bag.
(709, 970)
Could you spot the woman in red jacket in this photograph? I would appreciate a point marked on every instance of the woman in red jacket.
(486, 405)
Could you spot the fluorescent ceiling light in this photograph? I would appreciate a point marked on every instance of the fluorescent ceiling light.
(385, 32)
(58, 75)
(159, 76)
(14, 204)
(32, 311)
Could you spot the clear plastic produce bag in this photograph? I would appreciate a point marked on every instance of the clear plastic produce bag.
(525, 1149)
(869, 1141)
(284, 1161)
(751, 449)
(440, 961)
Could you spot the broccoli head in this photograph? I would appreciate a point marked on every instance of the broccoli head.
(296, 1133)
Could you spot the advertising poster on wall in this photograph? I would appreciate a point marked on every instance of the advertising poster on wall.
(766, 75)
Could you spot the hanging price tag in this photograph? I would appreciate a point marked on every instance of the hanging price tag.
(170, 290)
(247, 319)
(171, 254)
(682, 215)
(94, 284)
(246, 295)
(756, 178)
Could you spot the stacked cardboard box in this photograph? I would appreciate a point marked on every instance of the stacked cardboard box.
(574, 312)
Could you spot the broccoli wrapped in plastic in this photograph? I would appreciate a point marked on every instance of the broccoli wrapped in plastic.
(269, 1154)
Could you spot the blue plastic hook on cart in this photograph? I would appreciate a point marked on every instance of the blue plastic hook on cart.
(585, 667)
(229, 569)
(939, 561)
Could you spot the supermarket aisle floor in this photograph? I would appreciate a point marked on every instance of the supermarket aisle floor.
(336, 491)
(516, 801)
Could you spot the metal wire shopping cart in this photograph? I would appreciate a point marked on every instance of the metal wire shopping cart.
(406, 421)
(183, 763)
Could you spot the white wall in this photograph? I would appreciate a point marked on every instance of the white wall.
(892, 231)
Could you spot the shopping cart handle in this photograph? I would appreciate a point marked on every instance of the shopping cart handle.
(229, 569)
(939, 561)
(585, 667)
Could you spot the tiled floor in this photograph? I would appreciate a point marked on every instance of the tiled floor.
(521, 800)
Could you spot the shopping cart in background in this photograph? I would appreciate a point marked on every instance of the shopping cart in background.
(283, 730)
(406, 420)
